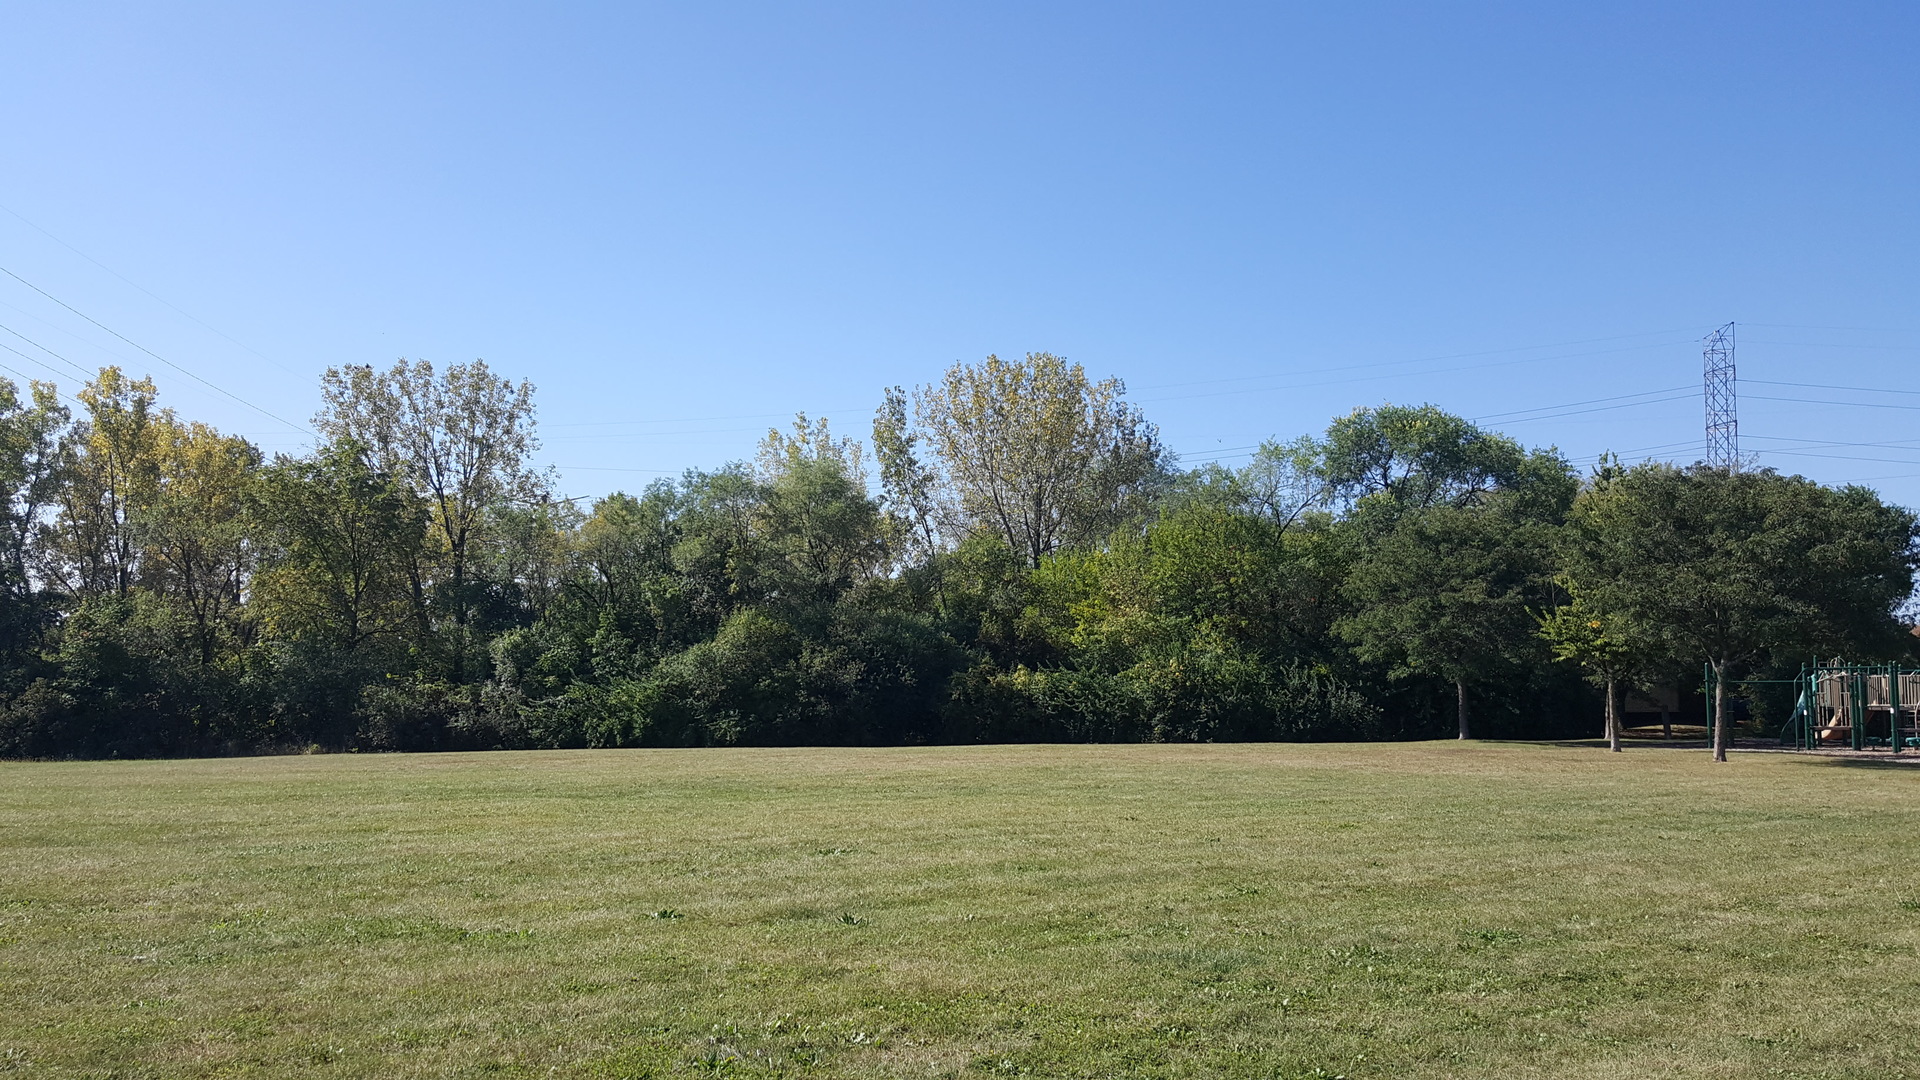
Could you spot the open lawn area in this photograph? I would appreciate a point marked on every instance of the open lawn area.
(1273, 911)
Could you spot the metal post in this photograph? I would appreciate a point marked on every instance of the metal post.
(1723, 425)
(1893, 707)
(1859, 709)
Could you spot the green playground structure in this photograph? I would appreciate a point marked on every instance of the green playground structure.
(1843, 706)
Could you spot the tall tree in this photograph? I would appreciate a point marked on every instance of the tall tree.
(1446, 593)
(1415, 457)
(782, 452)
(1034, 452)
(462, 439)
(909, 489)
(197, 531)
(1730, 567)
(343, 539)
(111, 464)
(30, 477)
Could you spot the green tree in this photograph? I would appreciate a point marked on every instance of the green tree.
(461, 438)
(197, 531)
(1417, 456)
(909, 489)
(1030, 451)
(1732, 567)
(30, 477)
(1446, 593)
(110, 464)
(30, 482)
(1602, 643)
(342, 539)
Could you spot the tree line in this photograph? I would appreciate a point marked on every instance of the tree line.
(1013, 556)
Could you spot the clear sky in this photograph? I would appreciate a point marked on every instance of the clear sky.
(684, 223)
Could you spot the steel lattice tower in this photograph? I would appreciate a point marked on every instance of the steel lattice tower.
(1723, 424)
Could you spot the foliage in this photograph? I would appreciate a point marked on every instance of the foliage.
(1030, 451)
(1030, 567)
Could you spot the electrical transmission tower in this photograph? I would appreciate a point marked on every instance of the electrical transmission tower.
(1723, 425)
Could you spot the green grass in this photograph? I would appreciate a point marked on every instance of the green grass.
(1430, 910)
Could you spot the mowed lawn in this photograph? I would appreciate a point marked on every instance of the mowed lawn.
(1273, 911)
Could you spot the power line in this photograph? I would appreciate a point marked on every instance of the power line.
(711, 419)
(1420, 360)
(1825, 386)
(1860, 329)
(83, 371)
(1601, 408)
(1831, 345)
(1854, 404)
(1410, 374)
(31, 380)
(150, 352)
(1589, 401)
(29, 358)
(1907, 444)
(130, 282)
(1840, 457)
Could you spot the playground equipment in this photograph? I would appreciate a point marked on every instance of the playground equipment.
(1853, 706)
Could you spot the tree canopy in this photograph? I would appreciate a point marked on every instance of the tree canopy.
(1013, 556)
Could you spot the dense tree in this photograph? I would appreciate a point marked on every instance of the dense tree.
(1030, 567)
(30, 478)
(343, 539)
(1730, 567)
(461, 438)
(1447, 593)
(110, 466)
(198, 532)
(1417, 457)
(1031, 451)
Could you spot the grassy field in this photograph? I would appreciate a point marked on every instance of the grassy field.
(1428, 910)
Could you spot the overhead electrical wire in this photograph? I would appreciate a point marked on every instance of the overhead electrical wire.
(1418, 360)
(209, 385)
(1853, 404)
(1832, 345)
(1409, 374)
(84, 373)
(709, 419)
(1827, 386)
(29, 358)
(35, 226)
(1589, 401)
(1905, 444)
(1858, 329)
(1840, 457)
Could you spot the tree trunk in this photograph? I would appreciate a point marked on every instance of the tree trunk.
(1613, 717)
(1719, 712)
(1666, 719)
(1460, 696)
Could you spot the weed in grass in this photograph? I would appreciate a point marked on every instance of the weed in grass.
(665, 913)
(717, 1060)
(848, 918)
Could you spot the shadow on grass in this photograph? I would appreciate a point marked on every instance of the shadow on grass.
(1904, 761)
(1630, 744)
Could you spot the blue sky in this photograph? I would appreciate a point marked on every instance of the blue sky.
(685, 223)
